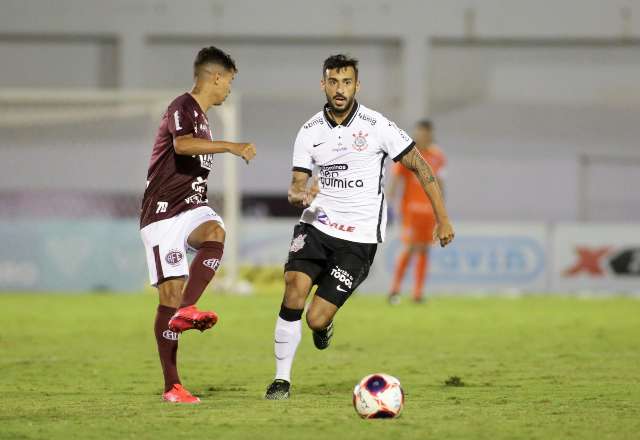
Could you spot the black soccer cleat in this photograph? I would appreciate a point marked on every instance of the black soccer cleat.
(322, 338)
(278, 390)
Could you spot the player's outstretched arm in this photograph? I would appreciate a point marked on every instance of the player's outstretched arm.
(299, 195)
(414, 161)
(190, 146)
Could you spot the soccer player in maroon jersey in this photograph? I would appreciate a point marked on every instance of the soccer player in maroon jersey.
(175, 216)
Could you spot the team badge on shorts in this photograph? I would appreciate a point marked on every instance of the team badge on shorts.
(174, 257)
(360, 141)
(297, 243)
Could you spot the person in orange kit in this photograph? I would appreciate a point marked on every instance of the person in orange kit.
(418, 219)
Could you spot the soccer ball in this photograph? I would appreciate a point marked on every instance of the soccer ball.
(378, 396)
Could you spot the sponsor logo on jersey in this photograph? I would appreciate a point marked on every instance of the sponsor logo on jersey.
(329, 177)
(360, 141)
(370, 119)
(343, 276)
(195, 199)
(324, 219)
(402, 133)
(168, 334)
(212, 263)
(206, 161)
(335, 167)
(314, 122)
(297, 243)
(199, 186)
(174, 257)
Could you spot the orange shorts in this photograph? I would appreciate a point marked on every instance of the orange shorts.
(418, 228)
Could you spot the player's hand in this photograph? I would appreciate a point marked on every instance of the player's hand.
(312, 192)
(245, 151)
(444, 233)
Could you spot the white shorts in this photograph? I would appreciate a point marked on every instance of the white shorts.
(165, 242)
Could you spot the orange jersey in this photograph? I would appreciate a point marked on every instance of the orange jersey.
(414, 200)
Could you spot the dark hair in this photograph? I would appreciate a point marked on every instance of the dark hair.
(213, 55)
(339, 61)
(425, 123)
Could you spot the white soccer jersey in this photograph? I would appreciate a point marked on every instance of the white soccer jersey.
(349, 159)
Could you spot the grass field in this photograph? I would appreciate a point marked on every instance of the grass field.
(85, 367)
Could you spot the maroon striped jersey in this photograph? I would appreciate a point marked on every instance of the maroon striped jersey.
(177, 183)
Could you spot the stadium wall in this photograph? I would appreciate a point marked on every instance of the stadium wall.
(115, 40)
(507, 83)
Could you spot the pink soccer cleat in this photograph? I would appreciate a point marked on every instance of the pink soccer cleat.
(190, 317)
(178, 394)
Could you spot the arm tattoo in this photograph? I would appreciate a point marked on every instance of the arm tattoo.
(416, 163)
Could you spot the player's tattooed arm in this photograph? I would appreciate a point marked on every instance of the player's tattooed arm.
(414, 161)
(188, 145)
(299, 195)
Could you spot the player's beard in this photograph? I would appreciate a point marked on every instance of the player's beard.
(339, 112)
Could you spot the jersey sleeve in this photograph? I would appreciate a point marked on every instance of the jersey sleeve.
(302, 159)
(395, 142)
(180, 119)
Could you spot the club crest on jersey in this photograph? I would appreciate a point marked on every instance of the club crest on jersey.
(174, 257)
(360, 141)
(297, 243)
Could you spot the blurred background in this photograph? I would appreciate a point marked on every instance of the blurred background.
(535, 103)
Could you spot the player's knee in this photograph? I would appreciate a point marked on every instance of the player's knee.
(215, 232)
(318, 320)
(218, 234)
(170, 295)
(295, 292)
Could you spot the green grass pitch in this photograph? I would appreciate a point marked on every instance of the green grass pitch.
(85, 367)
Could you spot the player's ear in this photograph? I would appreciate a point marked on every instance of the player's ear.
(322, 84)
(357, 86)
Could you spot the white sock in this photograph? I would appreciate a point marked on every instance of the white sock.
(287, 338)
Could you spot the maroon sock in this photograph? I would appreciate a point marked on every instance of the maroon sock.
(167, 346)
(203, 268)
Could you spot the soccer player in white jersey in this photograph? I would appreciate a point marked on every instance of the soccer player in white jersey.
(345, 213)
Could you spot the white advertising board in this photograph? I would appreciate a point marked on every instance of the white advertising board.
(485, 257)
(596, 257)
